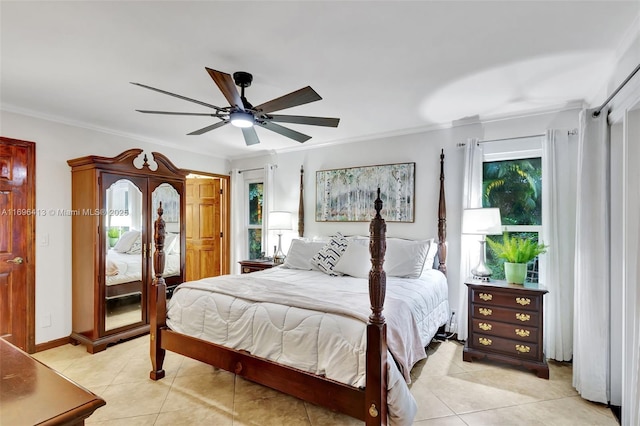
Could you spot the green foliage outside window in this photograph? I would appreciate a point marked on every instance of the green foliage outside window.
(256, 191)
(515, 187)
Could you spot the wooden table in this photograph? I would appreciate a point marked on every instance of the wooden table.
(248, 266)
(33, 394)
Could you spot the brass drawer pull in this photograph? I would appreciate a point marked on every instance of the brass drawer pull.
(523, 317)
(485, 296)
(485, 311)
(484, 341)
(524, 301)
(485, 326)
(523, 349)
(246, 270)
(522, 333)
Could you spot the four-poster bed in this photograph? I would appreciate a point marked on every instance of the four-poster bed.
(366, 396)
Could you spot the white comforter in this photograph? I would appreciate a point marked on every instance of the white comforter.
(129, 266)
(315, 322)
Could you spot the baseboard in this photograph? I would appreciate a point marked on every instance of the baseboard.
(616, 410)
(52, 344)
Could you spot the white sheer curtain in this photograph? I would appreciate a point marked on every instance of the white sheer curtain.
(559, 213)
(469, 245)
(267, 206)
(238, 218)
(592, 284)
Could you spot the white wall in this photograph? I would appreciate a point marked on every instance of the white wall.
(421, 148)
(55, 144)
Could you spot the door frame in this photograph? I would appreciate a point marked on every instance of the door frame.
(225, 216)
(30, 235)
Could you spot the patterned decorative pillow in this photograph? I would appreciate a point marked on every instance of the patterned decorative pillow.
(328, 256)
(136, 247)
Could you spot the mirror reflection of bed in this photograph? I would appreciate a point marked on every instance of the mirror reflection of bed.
(124, 273)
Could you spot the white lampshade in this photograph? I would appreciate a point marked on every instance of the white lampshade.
(280, 221)
(481, 221)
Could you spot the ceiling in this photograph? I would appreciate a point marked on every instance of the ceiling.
(382, 67)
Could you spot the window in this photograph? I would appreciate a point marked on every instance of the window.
(512, 181)
(255, 192)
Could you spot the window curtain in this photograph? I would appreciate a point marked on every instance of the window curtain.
(631, 284)
(631, 391)
(238, 239)
(469, 244)
(559, 213)
(592, 284)
(267, 206)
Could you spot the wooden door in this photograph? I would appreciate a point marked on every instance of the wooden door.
(17, 234)
(204, 226)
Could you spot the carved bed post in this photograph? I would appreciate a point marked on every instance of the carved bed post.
(158, 302)
(376, 381)
(442, 221)
(301, 205)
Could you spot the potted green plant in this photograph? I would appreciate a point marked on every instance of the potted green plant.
(113, 234)
(516, 252)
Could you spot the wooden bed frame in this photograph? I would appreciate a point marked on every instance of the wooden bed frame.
(368, 404)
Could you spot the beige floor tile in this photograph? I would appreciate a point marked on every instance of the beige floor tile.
(132, 400)
(448, 391)
(250, 391)
(61, 357)
(213, 390)
(570, 411)
(281, 410)
(462, 394)
(214, 416)
(442, 421)
(149, 420)
(429, 405)
(319, 416)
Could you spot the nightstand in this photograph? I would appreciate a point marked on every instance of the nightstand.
(248, 266)
(505, 324)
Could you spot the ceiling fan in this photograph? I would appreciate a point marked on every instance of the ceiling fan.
(242, 114)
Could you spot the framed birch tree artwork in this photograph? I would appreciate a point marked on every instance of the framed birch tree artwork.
(347, 195)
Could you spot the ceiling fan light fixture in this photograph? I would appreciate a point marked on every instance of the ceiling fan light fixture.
(242, 119)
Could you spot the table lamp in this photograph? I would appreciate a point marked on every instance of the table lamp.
(481, 221)
(279, 221)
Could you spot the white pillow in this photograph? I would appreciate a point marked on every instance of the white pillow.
(355, 261)
(126, 241)
(328, 256)
(406, 258)
(300, 254)
(429, 262)
(171, 242)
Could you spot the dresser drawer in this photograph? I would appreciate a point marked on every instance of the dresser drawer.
(497, 313)
(501, 298)
(510, 347)
(510, 331)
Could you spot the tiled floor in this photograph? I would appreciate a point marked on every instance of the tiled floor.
(448, 391)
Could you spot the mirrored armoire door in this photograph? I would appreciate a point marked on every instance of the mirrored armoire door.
(112, 242)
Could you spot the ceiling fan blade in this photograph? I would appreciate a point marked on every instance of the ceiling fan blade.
(228, 87)
(179, 96)
(297, 136)
(208, 128)
(299, 97)
(208, 114)
(250, 135)
(301, 119)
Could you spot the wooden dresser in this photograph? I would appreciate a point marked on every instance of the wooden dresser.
(248, 266)
(505, 324)
(31, 393)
